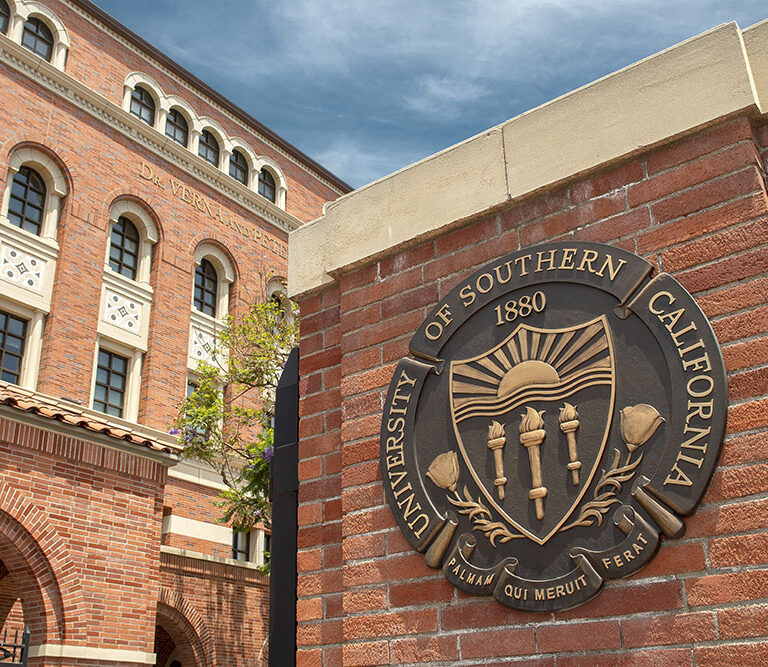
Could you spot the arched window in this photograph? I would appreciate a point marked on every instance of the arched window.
(238, 167)
(214, 274)
(143, 105)
(267, 185)
(27, 201)
(37, 37)
(276, 293)
(208, 148)
(206, 288)
(32, 197)
(176, 127)
(124, 248)
(132, 234)
(124, 313)
(5, 16)
(34, 190)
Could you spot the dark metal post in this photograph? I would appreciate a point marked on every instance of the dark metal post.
(25, 646)
(284, 473)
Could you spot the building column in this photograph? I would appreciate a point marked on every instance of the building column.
(133, 389)
(34, 346)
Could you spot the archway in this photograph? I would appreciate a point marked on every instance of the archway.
(11, 612)
(35, 565)
(29, 581)
(180, 634)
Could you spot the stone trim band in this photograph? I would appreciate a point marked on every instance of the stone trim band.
(89, 653)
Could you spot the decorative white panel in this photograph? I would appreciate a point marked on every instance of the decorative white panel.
(122, 312)
(202, 346)
(22, 268)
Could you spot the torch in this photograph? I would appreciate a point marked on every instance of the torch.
(496, 442)
(569, 422)
(532, 434)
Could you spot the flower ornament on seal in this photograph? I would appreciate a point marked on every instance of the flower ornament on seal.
(444, 471)
(638, 423)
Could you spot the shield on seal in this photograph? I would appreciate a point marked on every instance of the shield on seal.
(532, 416)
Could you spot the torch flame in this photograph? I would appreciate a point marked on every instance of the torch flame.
(532, 420)
(568, 412)
(495, 430)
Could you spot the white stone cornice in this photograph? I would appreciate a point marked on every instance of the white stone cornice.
(199, 530)
(230, 116)
(193, 479)
(60, 83)
(672, 94)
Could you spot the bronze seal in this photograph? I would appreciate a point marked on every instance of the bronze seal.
(560, 410)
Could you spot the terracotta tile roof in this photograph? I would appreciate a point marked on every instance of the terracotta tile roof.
(90, 420)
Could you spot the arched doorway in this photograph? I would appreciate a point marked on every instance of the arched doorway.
(23, 601)
(36, 568)
(13, 640)
(11, 613)
(180, 641)
(165, 648)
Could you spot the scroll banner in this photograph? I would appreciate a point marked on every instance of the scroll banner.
(569, 590)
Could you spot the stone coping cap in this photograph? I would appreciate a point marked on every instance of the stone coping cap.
(72, 414)
(696, 83)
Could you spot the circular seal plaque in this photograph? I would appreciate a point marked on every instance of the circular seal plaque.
(560, 410)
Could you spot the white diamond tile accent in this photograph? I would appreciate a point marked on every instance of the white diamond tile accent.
(21, 268)
(202, 346)
(122, 312)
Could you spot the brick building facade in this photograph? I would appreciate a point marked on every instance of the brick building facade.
(666, 159)
(139, 208)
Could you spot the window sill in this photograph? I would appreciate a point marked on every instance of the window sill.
(139, 288)
(44, 245)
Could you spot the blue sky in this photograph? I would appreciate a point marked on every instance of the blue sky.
(366, 87)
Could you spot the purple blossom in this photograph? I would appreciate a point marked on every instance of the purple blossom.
(267, 453)
(174, 431)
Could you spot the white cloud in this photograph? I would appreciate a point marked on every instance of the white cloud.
(443, 97)
(427, 73)
(361, 163)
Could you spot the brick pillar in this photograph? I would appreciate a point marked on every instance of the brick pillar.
(696, 208)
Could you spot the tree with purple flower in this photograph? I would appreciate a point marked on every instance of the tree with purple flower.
(227, 421)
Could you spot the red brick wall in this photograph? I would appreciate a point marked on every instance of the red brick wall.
(70, 332)
(14, 621)
(80, 536)
(697, 209)
(100, 166)
(191, 500)
(228, 606)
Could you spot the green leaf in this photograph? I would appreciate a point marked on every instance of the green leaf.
(226, 422)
